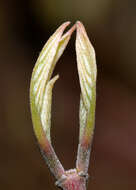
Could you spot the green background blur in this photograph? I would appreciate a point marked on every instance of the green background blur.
(24, 28)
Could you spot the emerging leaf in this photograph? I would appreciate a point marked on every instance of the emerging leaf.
(41, 85)
(86, 63)
(41, 92)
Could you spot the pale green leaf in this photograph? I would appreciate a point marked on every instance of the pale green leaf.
(87, 71)
(41, 85)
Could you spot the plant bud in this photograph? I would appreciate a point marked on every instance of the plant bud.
(86, 63)
(41, 94)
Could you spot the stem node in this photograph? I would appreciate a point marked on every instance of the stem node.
(72, 180)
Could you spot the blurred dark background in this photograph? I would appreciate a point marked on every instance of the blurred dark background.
(25, 26)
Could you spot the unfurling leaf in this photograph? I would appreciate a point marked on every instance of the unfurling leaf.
(41, 89)
(86, 63)
(41, 85)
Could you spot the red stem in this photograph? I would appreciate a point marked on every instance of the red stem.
(72, 181)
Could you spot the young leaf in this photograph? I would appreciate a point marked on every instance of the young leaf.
(41, 94)
(86, 63)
